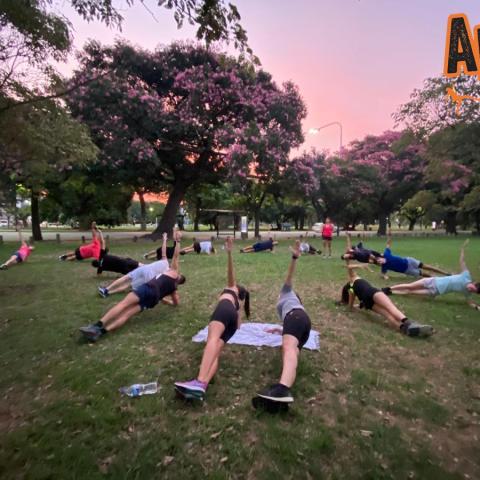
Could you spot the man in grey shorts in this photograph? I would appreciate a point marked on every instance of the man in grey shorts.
(296, 330)
(407, 265)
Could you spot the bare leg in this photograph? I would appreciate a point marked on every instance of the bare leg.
(212, 351)
(119, 285)
(434, 269)
(408, 287)
(116, 311)
(11, 261)
(213, 371)
(383, 301)
(124, 317)
(386, 314)
(290, 354)
(329, 243)
(247, 250)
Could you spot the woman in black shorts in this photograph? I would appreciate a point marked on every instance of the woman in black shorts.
(141, 298)
(296, 330)
(223, 324)
(372, 298)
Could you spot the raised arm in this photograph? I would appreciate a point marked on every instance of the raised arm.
(230, 270)
(463, 265)
(94, 230)
(349, 241)
(389, 238)
(102, 240)
(176, 253)
(164, 246)
(293, 262)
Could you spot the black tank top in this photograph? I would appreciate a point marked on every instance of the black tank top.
(363, 290)
(162, 286)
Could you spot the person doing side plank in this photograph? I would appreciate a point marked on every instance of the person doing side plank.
(139, 276)
(224, 322)
(20, 255)
(433, 286)
(144, 297)
(295, 333)
(372, 298)
(92, 250)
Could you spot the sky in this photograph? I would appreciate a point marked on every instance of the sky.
(354, 61)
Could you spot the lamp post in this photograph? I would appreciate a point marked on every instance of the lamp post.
(315, 130)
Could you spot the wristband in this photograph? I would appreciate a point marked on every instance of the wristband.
(294, 257)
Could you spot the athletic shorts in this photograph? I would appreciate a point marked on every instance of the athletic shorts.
(414, 267)
(19, 257)
(78, 255)
(297, 323)
(147, 297)
(226, 313)
(367, 301)
(328, 239)
(429, 284)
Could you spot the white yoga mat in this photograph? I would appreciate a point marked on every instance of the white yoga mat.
(255, 334)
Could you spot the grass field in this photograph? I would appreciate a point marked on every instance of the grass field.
(372, 404)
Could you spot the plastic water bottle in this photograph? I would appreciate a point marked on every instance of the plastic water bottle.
(139, 389)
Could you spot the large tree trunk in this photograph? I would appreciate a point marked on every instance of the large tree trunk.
(318, 210)
(382, 224)
(256, 214)
(143, 212)
(36, 231)
(198, 206)
(411, 224)
(170, 213)
(302, 221)
(451, 222)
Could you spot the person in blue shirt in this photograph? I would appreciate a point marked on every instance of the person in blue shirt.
(433, 286)
(407, 265)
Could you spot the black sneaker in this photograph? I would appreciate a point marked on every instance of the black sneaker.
(387, 291)
(103, 291)
(92, 332)
(413, 329)
(277, 393)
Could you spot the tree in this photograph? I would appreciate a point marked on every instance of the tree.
(418, 206)
(396, 163)
(430, 110)
(40, 142)
(184, 115)
(470, 205)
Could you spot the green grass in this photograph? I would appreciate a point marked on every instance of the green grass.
(371, 404)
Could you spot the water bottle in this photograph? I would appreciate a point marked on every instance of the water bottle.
(139, 389)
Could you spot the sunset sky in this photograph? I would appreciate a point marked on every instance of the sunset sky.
(355, 61)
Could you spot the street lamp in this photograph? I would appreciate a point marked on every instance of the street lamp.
(314, 131)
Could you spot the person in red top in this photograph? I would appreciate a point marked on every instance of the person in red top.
(20, 255)
(92, 250)
(327, 234)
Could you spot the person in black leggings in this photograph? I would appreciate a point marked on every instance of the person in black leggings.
(296, 330)
(361, 254)
(372, 298)
(224, 322)
(141, 298)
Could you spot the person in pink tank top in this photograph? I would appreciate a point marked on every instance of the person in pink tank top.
(20, 255)
(91, 250)
(327, 235)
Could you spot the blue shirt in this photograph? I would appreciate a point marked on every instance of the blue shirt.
(453, 283)
(394, 263)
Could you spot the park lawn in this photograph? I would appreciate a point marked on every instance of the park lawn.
(370, 404)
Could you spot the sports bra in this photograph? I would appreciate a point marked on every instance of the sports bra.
(233, 293)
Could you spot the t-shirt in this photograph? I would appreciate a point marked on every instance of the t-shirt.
(24, 251)
(162, 286)
(145, 273)
(394, 263)
(260, 246)
(327, 230)
(112, 263)
(287, 301)
(91, 250)
(453, 283)
(362, 254)
(205, 247)
(304, 247)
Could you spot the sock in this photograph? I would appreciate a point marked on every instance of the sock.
(405, 323)
(99, 324)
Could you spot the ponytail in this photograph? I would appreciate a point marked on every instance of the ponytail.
(244, 294)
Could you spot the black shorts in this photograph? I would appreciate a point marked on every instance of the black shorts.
(19, 257)
(170, 252)
(78, 255)
(147, 297)
(226, 313)
(297, 323)
(328, 239)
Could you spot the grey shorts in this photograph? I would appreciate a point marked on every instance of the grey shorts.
(429, 284)
(413, 268)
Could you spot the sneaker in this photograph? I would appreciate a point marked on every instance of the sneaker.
(92, 332)
(62, 258)
(413, 329)
(387, 291)
(145, 255)
(192, 385)
(103, 291)
(3, 267)
(277, 393)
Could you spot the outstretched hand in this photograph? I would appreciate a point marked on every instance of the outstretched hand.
(465, 243)
(296, 248)
(229, 244)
